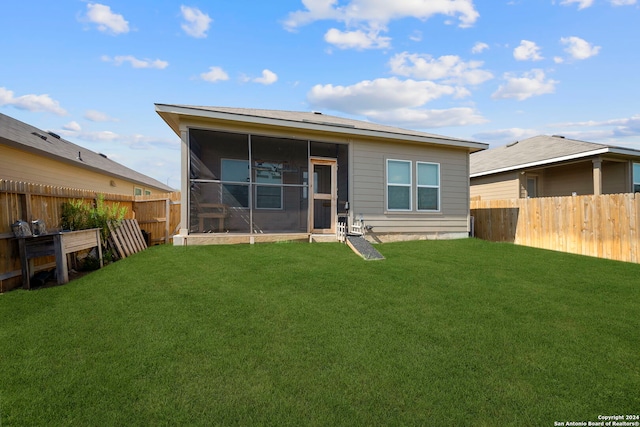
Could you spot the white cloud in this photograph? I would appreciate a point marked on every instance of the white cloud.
(614, 128)
(416, 36)
(424, 119)
(579, 48)
(268, 77)
(106, 20)
(134, 141)
(72, 126)
(98, 116)
(31, 102)
(6, 96)
(137, 63)
(145, 142)
(532, 83)
(316, 10)
(356, 39)
(479, 47)
(103, 135)
(527, 51)
(196, 23)
(506, 135)
(365, 20)
(215, 74)
(377, 95)
(582, 4)
(449, 68)
(375, 12)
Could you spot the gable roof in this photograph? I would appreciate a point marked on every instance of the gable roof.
(313, 121)
(539, 151)
(22, 136)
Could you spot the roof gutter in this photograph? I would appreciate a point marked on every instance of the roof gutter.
(555, 160)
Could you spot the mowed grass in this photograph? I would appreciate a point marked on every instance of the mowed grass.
(439, 333)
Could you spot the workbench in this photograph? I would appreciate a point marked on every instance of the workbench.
(59, 245)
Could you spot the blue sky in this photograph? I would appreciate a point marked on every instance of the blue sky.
(491, 71)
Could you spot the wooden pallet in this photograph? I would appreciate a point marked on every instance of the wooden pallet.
(126, 239)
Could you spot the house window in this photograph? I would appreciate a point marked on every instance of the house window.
(268, 196)
(235, 186)
(147, 192)
(428, 183)
(137, 191)
(399, 185)
(636, 177)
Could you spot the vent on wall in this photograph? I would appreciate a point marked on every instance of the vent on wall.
(113, 183)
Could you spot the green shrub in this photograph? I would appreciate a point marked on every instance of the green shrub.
(80, 215)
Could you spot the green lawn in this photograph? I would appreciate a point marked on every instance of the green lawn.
(439, 333)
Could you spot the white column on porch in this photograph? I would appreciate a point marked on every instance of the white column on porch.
(597, 176)
(179, 240)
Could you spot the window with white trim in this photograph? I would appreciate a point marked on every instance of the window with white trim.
(399, 185)
(428, 186)
(636, 177)
(268, 196)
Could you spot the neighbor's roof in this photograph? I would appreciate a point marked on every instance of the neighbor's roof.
(538, 151)
(22, 136)
(312, 121)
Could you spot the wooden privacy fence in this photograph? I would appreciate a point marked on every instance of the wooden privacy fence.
(158, 215)
(605, 226)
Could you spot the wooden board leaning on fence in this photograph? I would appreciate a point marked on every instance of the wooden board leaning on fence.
(126, 238)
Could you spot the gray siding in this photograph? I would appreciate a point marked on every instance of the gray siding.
(616, 178)
(578, 177)
(565, 180)
(369, 188)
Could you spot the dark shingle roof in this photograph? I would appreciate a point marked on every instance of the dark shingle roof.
(17, 134)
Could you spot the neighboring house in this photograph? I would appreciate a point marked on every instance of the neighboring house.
(257, 175)
(32, 155)
(546, 166)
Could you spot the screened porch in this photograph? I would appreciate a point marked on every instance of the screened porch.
(255, 185)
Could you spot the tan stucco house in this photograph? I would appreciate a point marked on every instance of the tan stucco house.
(261, 175)
(548, 166)
(29, 154)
